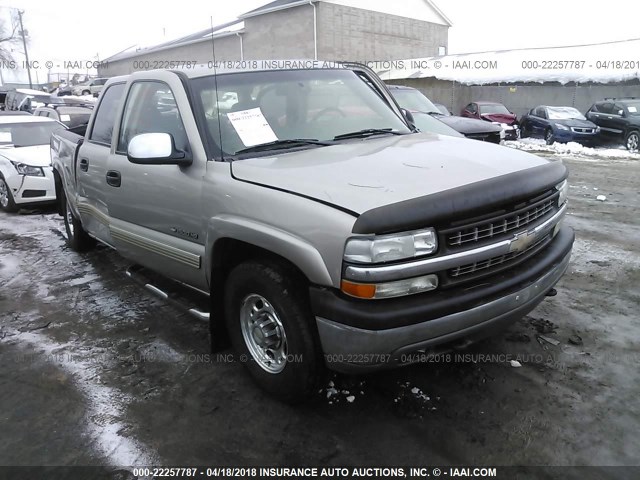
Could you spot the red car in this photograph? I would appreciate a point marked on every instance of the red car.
(495, 113)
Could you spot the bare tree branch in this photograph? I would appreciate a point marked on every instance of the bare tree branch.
(9, 36)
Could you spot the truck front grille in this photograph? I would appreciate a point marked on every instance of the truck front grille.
(583, 129)
(502, 223)
(498, 263)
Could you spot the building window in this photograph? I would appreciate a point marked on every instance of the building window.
(442, 51)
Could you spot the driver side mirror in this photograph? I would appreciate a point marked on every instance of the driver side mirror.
(408, 116)
(156, 149)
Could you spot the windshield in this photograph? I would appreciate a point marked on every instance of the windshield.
(443, 109)
(564, 113)
(493, 108)
(633, 108)
(27, 134)
(255, 108)
(413, 100)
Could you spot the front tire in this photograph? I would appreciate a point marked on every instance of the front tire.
(632, 142)
(77, 238)
(271, 326)
(6, 197)
(548, 136)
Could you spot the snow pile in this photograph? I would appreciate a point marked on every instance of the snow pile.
(571, 148)
(604, 63)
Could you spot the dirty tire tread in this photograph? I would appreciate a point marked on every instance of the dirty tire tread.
(79, 241)
(11, 205)
(282, 287)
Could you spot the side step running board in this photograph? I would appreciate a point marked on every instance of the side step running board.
(181, 296)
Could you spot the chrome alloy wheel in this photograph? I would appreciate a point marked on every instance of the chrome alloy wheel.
(263, 333)
(632, 142)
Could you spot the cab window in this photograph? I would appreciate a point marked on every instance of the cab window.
(102, 129)
(151, 108)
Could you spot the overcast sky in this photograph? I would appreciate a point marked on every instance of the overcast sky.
(77, 30)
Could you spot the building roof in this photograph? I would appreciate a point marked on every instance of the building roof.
(565, 64)
(222, 30)
(284, 4)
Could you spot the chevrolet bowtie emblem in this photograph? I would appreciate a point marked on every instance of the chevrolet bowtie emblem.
(522, 241)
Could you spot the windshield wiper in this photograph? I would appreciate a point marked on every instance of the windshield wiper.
(279, 144)
(367, 132)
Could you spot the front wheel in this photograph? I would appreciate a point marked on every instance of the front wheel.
(6, 198)
(77, 238)
(548, 136)
(271, 326)
(632, 142)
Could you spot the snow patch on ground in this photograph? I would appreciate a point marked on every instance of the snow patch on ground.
(572, 148)
(105, 405)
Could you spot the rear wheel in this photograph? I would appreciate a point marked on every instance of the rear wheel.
(271, 326)
(86, 92)
(6, 197)
(632, 142)
(524, 131)
(77, 238)
(548, 136)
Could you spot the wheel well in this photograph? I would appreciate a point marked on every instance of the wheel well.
(227, 254)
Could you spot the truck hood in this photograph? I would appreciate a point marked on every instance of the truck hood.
(365, 174)
(36, 156)
(507, 118)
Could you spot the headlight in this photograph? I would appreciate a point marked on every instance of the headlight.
(23, 169)
(597, 129)
(561, 127)
(563, 188)
(387, 248)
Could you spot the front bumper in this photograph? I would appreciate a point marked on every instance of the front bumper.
(582, 138)
(27, 189)
(421, 322)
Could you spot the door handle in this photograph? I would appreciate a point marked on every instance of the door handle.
(610, 118)
(84, 165)
(113, 178)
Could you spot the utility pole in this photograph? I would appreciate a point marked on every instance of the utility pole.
(24, 44)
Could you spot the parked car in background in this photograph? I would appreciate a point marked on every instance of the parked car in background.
(26, 176)
(443, 110)
(25, 99)
(82, 89)
(558, 124)
(420, 106)
(495, 113)
(64, 89)
(618, 119)
(70, 115)
(95, 86)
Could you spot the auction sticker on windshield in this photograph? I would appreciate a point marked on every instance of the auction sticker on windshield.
(252, 127)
